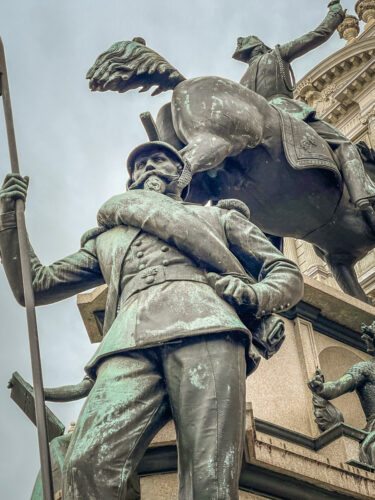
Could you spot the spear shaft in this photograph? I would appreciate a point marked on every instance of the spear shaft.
(36, 367)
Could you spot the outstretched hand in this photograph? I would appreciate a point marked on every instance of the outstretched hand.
(335, 6)
(14, 187)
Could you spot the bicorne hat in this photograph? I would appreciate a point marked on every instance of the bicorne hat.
(245, 46)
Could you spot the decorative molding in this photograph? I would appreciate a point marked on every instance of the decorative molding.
(314, 444)
(323, 325)
(368, 116)
(365, 10)
(339, 63)
(360, 465)
(254, 478)
(349, 28)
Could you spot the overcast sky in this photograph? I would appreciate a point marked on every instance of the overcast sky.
(73, 144)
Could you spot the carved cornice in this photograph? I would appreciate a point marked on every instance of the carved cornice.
(254, 478)
(368, 116)
(308, 442)
(339, 63)
(334, 99)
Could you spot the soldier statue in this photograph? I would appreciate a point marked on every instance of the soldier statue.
(270, 74)
(185, 282)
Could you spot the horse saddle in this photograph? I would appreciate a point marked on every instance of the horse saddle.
(303, 147)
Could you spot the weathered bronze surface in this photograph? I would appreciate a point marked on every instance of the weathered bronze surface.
(360, 378)
(187, 285)
(298, 175)
(23, 395)
(40, 415)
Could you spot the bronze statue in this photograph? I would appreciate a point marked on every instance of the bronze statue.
(360, 378)
(243, 141)
(187, 286)
(270, 74)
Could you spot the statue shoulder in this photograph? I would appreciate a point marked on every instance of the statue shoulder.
(234, 204)
(91, 234)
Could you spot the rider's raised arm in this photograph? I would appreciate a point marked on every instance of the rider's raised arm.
(66, 277)
(319, 35)
(350, 381)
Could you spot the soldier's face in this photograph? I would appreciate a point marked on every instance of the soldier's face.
(158, 163)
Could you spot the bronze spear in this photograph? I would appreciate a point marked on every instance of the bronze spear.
(41, 421)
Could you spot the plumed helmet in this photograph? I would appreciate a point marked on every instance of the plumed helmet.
(149, 147)
(245, 46)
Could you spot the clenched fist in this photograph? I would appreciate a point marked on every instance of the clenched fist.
(316, 383)
(14, 187)
(233, 290)
(336, 7)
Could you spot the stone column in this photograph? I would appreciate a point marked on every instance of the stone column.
(365, 10)
(371, 126)
(349, 28)
(311, 265)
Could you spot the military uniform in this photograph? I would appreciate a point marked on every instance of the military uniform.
(173, 348)
(271, 76)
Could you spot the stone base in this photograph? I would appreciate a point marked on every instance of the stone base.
(165, 486)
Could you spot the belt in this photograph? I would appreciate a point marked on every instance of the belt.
(155, 275)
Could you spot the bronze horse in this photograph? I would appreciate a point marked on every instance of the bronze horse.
(231, 139)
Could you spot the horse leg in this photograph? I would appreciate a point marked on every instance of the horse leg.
(347, 279)
(204, 153)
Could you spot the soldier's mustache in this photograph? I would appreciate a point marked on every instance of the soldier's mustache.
(167, 178)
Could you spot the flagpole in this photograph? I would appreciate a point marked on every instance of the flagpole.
(40, 414)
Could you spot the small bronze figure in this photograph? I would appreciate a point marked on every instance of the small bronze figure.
(360, 378)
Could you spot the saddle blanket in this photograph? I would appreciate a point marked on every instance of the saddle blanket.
(303, 147)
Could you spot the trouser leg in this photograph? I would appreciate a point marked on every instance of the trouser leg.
(124, 410)
(58, 449)
(360, 187)
(205, 378)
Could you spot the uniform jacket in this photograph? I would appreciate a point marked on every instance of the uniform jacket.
(217, 240)
(264, 74)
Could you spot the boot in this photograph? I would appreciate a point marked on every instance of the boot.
(360, 187)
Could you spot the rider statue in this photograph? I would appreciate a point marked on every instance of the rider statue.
(270, 75)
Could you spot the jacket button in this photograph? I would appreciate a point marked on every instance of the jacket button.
(263, 312)
(164, 248)
(165, 263)
(274, 309)
(139, 254)
(149, 279)
(288, 304)
(137, 243)
(141, 267)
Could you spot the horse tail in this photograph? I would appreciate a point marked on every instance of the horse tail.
(129, 65)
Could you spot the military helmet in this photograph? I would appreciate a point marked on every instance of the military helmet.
(245, 46)
(148, 147)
